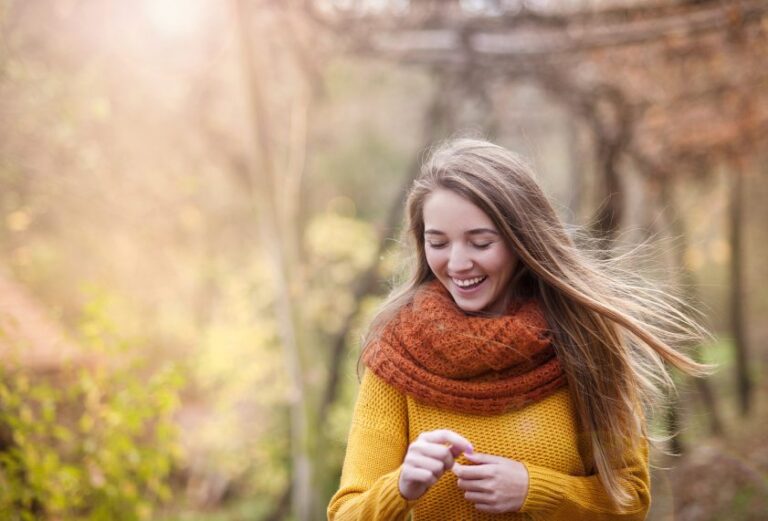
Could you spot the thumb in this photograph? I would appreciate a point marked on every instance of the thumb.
(458, 450)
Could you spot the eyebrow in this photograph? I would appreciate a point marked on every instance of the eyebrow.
(474, 231)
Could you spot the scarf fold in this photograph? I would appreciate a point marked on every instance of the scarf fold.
(434, 352)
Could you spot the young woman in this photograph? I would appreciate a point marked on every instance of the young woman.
(509, 377)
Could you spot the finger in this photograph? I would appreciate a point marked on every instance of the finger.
(422, 462)
(472, 485)
(478, 497)
(441, 453)
(470, 472)
(457, 442)
(435, 451)
(480, 458)
(419, 475)
(491, 508)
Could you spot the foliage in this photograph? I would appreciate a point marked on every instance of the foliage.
(91, 443)
(339, 247)
(123, 156)
(237, 374)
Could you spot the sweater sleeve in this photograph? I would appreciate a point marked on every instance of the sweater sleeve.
(556, 496)
(378, 440)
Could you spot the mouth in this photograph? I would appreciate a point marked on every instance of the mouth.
(468, 284)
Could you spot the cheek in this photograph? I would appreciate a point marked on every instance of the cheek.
(502, 263)
(434, 259)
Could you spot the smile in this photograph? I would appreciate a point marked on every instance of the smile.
(468, 283)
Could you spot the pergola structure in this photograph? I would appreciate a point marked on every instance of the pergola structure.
(665, 81)
(672, 87)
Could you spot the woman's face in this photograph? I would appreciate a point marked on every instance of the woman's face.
(467, 253)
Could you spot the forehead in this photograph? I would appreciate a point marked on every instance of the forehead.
(447, 211)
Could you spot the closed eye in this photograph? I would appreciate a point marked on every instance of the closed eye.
(483, 246)
(437, 245)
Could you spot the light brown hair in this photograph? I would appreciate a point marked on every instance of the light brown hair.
(613, 332)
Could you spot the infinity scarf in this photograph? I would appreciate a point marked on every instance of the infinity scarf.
(433, 351)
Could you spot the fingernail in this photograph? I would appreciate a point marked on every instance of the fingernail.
(470, 450)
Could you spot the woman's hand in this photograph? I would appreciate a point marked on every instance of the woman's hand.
(494, 484)
(427, 459)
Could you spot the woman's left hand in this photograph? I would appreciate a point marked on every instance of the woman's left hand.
(494, 484)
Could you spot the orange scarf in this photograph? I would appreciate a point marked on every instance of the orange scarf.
(443, 357)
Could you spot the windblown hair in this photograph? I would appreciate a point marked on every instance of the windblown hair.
(612, 331)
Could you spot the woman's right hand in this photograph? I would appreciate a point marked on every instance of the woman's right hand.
(427, 459)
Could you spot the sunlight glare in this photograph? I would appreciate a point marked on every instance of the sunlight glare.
(176, 18)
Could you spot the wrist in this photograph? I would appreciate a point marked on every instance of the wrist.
(406, 488)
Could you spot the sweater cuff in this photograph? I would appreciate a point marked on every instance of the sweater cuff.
(545, 489)
(393, 504)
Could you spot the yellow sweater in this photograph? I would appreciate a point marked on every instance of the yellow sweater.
(543, 436)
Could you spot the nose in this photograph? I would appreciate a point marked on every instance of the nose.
(459, 260)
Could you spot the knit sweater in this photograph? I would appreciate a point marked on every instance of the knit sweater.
(543, 436)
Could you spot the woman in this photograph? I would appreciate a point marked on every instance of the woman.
(509, 377)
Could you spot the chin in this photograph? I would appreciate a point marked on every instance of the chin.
(470, 307)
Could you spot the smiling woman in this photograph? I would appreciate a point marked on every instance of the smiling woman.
(509, 377)
(467, 254)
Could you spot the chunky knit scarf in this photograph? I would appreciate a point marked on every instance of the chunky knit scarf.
(433, 351)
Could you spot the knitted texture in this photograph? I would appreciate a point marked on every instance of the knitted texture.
(544, 436)
(439, 355)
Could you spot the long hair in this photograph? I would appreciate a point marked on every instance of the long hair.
(613, 332)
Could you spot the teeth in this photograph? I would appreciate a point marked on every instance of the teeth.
(467, 282)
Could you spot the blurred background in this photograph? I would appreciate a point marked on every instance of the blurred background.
(200, 203)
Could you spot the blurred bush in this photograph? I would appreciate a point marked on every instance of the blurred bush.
(93, 442)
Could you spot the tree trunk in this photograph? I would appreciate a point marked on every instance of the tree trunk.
(277, 229)
(612, 121)
(610, 118)
(687, 285)
(672, 425)
(736, 222)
